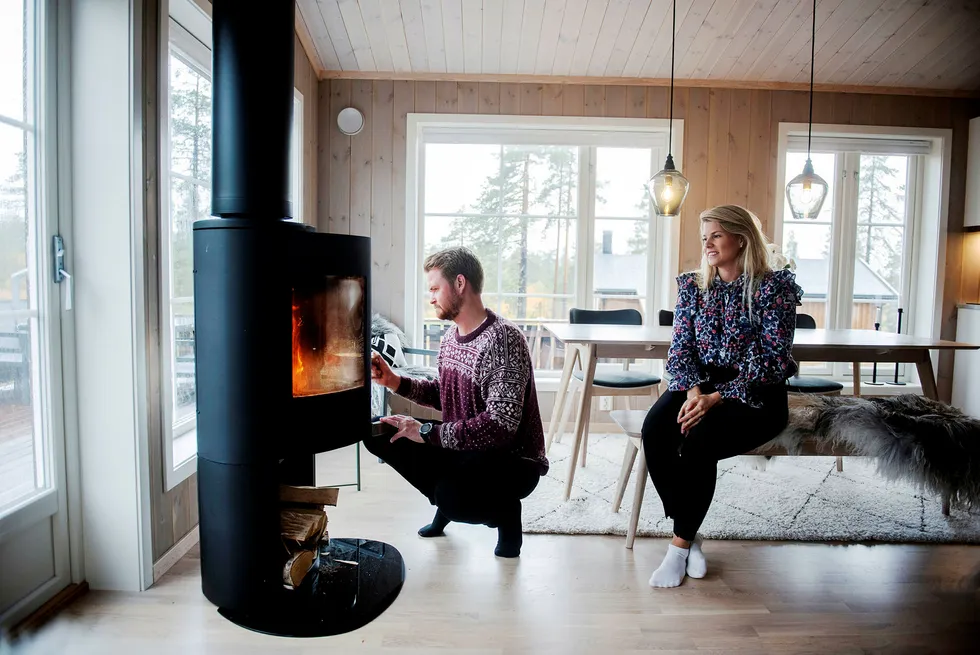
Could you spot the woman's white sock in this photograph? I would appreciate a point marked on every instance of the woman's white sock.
(671, 570)
(697, 565)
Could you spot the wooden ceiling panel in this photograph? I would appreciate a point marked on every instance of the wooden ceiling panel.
(871, 44)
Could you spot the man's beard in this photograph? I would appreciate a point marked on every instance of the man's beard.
(452, 311)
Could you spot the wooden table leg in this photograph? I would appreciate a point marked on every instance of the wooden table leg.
(930, 390)
(926, 376)
(566, 376)
(641, 483)
(582, 420)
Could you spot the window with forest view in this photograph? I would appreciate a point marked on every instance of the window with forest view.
(529, 211)
(187, 185)
(190, 200)
(853, 260)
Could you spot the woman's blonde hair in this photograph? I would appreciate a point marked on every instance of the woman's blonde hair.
(753, 258)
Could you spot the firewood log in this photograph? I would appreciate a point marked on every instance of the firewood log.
(317, 496)
(297, 567)
(301, 528)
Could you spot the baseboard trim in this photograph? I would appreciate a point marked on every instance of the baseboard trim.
(172, 556)
(50, 609)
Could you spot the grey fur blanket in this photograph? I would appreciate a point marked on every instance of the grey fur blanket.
(912, 438)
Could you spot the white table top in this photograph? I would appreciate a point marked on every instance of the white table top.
(656, 335)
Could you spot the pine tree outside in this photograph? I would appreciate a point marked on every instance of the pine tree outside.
(190, 200)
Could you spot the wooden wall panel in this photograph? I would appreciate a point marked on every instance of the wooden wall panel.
(729, 155)
(758, 165)
(339, 187)
(615, 101)
(447, 98)
(636, 102)
(323, 130)
(739, 140)
(719, 117)
(425, 97)
(382, 169)
(468, 97)
(595, 100)
(531, 98)
(695, 168)
(362, 159)
(404, 104)
(658, 102)
(510, 99)
(551, 99)
(573, 103)
(305, 80)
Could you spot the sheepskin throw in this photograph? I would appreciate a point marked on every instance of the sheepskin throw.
(912, 438)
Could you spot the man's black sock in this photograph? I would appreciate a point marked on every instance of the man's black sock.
(510, 534)
(435, 529)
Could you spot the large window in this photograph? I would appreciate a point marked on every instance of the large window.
(23, 469)
(855, 259)
(187, 157)
(530, 201)
(186, 192)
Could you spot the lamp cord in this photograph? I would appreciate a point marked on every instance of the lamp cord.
(813, 43)
(670, 121)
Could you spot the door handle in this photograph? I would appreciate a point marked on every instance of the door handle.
(60, 274)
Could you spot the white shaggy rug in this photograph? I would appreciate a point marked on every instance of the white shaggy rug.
(795, 498)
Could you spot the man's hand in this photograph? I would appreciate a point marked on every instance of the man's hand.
(382, 373)
(694, 409)
(407, 426)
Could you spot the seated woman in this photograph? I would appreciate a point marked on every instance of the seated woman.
(729, 360)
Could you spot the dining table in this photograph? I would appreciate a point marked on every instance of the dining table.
(595, 342)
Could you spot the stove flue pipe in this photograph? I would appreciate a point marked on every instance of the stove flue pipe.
(252, 108)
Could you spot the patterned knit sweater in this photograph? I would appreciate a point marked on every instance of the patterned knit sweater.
(485, 391)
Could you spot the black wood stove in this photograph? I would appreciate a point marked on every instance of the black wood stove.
(282, 318)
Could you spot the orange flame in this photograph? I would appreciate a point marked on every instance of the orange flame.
(299, 377)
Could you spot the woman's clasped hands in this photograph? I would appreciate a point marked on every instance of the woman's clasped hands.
(695, 407)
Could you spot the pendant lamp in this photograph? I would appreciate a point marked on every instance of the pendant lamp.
(807, 191)
(669, 188)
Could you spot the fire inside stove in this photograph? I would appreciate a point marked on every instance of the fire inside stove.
(328, 336)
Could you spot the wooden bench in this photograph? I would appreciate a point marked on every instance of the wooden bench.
(631, 422)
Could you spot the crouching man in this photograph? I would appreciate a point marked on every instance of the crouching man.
(488, 452)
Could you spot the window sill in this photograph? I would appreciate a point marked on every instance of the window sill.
(184, 458)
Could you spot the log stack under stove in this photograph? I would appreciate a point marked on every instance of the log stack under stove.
(303, 528)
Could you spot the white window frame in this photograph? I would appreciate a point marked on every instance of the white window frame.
(927, 210)
(296, 157)
(188, 32)
(587, 133)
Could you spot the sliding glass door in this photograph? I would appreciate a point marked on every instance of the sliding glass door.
(34, 557)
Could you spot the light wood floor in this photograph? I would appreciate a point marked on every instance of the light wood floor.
(573, 594)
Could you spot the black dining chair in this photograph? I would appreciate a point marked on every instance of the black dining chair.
(799, 384)
(626, 382)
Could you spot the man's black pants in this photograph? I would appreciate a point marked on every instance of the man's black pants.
(482, 487)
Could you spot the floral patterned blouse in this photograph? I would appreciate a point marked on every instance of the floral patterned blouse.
(713, 328)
